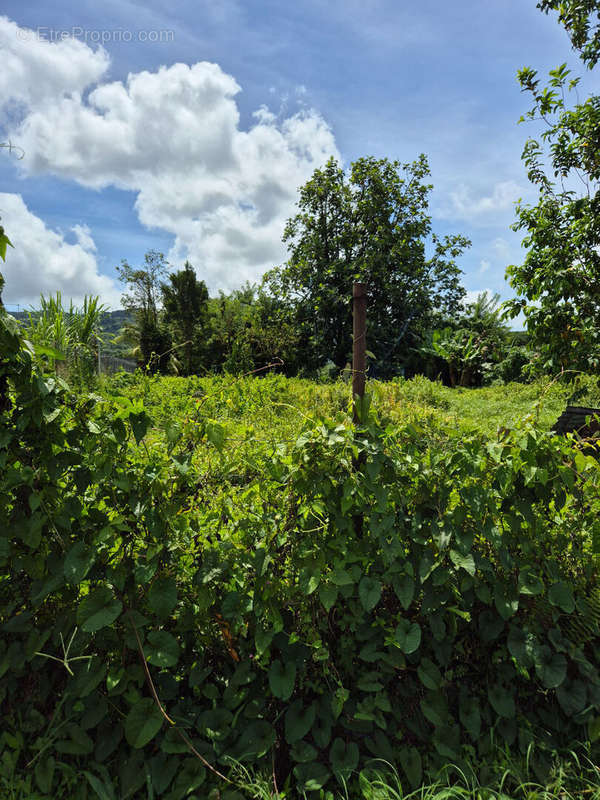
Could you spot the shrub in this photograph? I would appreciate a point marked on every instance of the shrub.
(359, 595)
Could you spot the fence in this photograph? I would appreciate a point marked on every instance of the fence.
(107, 365)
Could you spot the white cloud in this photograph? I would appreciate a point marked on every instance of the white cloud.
(464, 204)
(42, 262)
(84, 238)
(502, 250)
(35, 70)
(472, 295)
(484, 266)
(173, 137)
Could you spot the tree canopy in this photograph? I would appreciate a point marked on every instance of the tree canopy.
(557, 284)
(185, 301)
(370, 225)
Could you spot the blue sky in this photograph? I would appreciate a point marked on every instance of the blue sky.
(125, 152)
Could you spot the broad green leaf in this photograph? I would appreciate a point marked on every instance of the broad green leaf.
(162, 596)
(446, 740)
(262, 639)
(309, 579)
(78, 562)
(521, 646)
(435, 708)
(257, 739)
(572, 696)
(98, 609)
(551, 668)
(408, 636)
(44, 774)
(429, 674)
(369, 592)
(215, 723)
(50, 352)
(215, 433)
(144, 571)
(561, 594)
(340, 577)
(502, 701)
(143, 722)
(460, 561)
(410, 759)
(162, 649)
(140, 423)
(328, 595)
(344, 758)
(299, 720)
(4, 241)
(282, 678)
(506, 602)
(302, 752)
(312, 776)
(404, 586)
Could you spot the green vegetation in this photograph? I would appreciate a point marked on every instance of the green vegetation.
(184, 587)
(220, 585)
(370, 226)
(557, 282)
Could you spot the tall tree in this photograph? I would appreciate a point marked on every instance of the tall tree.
(143, 285)
(371, 225)
(142, 299)
(557, 284)
(185, 301)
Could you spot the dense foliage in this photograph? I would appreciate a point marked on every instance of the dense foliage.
(557, 283)
(171, 599)
(370, 225)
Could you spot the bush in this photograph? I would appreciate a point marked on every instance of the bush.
(359, 595)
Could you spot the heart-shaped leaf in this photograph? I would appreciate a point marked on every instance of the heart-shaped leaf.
(282, 678)
(408, 636)
(369, 592)
(143, 722)
(98, 609)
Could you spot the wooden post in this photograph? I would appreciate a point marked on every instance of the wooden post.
(359, 369)
(359, 344)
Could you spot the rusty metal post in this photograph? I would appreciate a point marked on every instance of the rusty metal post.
(359, 343)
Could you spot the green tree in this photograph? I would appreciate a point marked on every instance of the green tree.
(248, 329)
(371, 225)
(143, 285)
(557, 283)
(581, 20)
(150, 339)
(475, 347)
(185, 300)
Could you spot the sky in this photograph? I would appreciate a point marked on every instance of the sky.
(188, 128)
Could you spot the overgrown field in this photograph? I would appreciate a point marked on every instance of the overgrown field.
(205, 576)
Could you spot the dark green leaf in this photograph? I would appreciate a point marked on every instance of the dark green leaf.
(143, 722)
(282, 678)
(98, 609)
(369, 592)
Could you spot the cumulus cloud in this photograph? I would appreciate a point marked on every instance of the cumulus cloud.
(42, 262)
(38, 71)
(173, 137)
